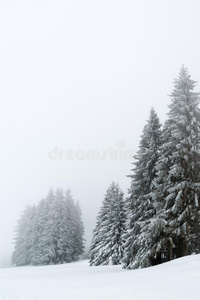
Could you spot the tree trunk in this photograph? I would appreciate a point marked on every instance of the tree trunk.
(170, 253)
(184, 250)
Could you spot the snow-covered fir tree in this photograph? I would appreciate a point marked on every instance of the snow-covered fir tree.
(51, 232)
(107, 243)
(60, 226)
(141, 208)
(47, 245)
(177, 188)
(40, 254)
(25, 238)
(74, 229)
(78, 233)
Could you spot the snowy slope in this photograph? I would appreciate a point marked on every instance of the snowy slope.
(179, 279)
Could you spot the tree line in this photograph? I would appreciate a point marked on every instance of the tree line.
(159, 220)
(51, 232)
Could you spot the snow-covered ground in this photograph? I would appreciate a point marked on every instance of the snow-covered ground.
(179, 279)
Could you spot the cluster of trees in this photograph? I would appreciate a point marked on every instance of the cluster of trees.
(51, 232)
(160, 219)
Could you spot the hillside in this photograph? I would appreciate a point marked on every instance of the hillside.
(178, 279)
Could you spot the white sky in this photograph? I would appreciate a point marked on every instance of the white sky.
(83, 75)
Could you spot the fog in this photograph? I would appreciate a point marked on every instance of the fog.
(77, 76)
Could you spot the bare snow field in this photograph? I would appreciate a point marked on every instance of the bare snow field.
(179, 279)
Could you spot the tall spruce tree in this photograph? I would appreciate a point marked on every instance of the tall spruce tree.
(141, 208)
(106, 245)
(177, 188)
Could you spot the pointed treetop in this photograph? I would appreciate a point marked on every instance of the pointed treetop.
(152, 111)
(184, 81)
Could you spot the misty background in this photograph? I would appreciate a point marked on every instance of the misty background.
(80, 75)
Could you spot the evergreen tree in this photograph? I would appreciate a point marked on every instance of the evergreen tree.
(48, 237)
(106, 245)
(96, 243)
(141, 208)
(70, 254)
(178, 183)
(78, 233)
(40, 255)
(60, 226)
(25, 238)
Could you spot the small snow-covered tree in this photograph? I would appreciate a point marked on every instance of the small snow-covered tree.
(25, 238)
(70, 254)
(48, 237)
(96, 243)
(78, 233)
(141, 208)
(60, 226)
(106, 245)
(40, 252)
